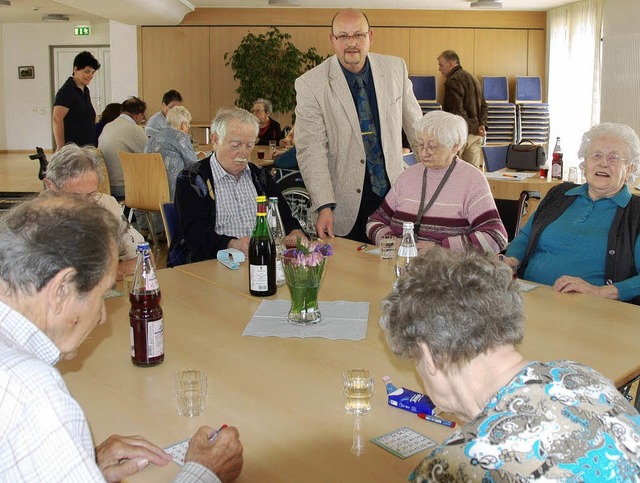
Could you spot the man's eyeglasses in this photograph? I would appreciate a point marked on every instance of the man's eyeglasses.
(359, 37)
(612, 158)
(257, 111)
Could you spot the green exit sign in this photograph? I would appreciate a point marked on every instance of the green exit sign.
(82, 30)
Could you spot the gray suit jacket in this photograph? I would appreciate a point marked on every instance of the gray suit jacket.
(328, 140)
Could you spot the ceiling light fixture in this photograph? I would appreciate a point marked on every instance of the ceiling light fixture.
(5, 3)
(486, 4)
(55, 17)
(286, 3)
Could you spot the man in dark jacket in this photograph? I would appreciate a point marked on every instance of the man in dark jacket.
(215, 198)
(463, 96)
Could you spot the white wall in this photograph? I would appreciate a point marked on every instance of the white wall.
(28, 102)
(621, 63)
(124, 61)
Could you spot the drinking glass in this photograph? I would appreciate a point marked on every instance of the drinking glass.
(191, 389)
(388, 247)
(357, 386)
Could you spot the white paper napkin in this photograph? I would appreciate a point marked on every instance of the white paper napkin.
(340, 320)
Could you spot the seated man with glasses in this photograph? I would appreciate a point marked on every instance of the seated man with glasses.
(269, 128)
(76, 171)
(584, 238)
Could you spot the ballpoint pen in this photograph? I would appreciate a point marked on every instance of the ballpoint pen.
(436, 419)
(215, 435)
(509, 175)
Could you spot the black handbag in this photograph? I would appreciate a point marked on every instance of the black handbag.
(526, 156)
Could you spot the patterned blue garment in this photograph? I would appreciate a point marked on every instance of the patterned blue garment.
(555, 421)
(177, 153)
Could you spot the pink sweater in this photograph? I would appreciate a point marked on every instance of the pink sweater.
(464, 214)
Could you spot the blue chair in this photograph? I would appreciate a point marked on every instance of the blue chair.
(169, 220)
(495, 157)
(409, 159)
(528, 89)
(495, 89)
(424, 88)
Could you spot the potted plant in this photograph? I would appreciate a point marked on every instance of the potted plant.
(267, 66)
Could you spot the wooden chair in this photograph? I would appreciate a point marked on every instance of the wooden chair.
(105, 185)
(145, 184)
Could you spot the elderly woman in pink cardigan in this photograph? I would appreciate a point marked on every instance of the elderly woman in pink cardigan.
(447, 199)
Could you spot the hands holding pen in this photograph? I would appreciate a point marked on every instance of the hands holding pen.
(219, 451)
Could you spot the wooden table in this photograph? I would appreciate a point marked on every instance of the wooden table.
(284, 394)
(509, 189)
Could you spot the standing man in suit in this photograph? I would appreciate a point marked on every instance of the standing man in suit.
(350, 113)
(463, 96)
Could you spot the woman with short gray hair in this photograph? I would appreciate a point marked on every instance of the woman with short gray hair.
(269, 128)
(174, 144)
(448, 200)
(601, 217)
(459, 316)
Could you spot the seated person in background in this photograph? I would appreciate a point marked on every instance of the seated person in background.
(459, 316)
(158, 121)
(47, 310)
(216, 198)
(269, 128)
(462, 215)
(110, 113)
(585, 238)
(287, 159)
(76, 171)
(174, 143)
(125, 133)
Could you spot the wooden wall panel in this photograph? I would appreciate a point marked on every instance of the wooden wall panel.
(428, 44)
(501, 53)
(392, 41)
(222, 84)
(537, 53)
(377, 17)
(176, 58)
(489, 43)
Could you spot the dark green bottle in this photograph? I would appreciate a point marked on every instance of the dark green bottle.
(262, 255)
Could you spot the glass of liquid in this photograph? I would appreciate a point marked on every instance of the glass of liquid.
(357, 386)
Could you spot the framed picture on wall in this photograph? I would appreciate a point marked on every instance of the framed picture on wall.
(26, 72)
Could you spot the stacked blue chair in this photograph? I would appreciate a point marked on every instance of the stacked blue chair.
(532, 114)
(424, 88)
(501, 123)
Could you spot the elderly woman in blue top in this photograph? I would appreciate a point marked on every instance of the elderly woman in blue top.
(174, 143)
(584, 238)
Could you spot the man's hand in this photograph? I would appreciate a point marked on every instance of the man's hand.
(223, 455)
(241, 244)
(567, 284)
(291, 239)
(482, 131)
(324, 225)
(122, 456)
